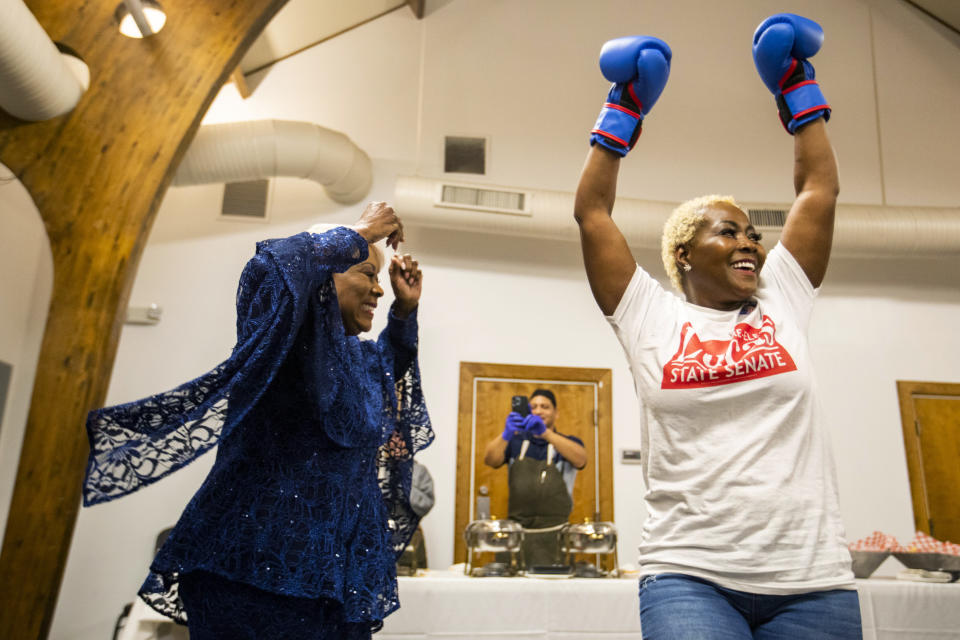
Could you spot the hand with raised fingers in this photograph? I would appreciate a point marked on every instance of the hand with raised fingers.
(379, 221)
(407, 282)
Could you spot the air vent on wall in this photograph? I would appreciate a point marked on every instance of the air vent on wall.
(767, 217)
(245, 200)
(464, 155)
(477, 199)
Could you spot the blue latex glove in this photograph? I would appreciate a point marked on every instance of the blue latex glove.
(533, 425)
(513, 424)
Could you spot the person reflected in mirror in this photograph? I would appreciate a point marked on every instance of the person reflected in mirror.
(296, 530)
(743, 537)
(542, 469)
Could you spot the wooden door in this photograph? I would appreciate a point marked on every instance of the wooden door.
(930, 414)
(583, 410)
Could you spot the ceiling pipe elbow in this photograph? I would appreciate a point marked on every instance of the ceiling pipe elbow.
(258, 149)
(37, 82)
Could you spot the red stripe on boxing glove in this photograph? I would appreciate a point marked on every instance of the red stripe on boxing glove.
(639, 67)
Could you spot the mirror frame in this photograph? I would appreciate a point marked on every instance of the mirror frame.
(602, 459)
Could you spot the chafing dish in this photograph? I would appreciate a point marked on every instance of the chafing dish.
(501, 536)
(599, 538)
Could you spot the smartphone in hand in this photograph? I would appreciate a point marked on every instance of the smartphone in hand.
(521, 405)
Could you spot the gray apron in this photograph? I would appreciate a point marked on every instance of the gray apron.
(539, 501)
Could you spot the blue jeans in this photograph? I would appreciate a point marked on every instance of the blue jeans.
(679, 607)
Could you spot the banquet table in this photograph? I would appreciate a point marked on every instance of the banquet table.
(448, 605)
(901, 610)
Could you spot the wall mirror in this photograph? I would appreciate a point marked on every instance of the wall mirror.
(584, 410)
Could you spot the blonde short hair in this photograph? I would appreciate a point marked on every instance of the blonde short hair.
(680, 228)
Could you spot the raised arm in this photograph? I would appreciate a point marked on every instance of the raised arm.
(567, 447)
(495, 453)
(606, 256)
(400, 334)
(808, 232)
(782, 45)
(638, 66)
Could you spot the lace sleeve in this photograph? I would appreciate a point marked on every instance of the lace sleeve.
(400, 338)
(412, 433)
(135, 444)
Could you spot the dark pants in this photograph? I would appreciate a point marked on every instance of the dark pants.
(220, 609)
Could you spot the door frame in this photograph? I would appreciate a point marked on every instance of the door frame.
(906, 390)
(466, 442)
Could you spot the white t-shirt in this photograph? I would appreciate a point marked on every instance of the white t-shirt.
(741, 488)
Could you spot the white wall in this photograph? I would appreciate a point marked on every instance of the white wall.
(524, 74)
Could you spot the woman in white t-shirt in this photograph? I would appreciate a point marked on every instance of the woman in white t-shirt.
(744, 537)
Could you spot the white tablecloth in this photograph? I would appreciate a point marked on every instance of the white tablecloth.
(450, 605)
(902, 610)
(444, 604)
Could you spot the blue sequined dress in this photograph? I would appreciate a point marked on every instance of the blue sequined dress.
(309, 494)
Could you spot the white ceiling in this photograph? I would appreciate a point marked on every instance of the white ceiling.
(464, 67)
(946, 11)
(304, 23)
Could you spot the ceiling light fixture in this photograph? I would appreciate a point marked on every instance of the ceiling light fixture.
(140, 18)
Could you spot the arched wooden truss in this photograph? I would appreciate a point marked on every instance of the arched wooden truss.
(97, 176)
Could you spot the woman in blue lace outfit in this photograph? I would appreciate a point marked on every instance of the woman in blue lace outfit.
(296, 530)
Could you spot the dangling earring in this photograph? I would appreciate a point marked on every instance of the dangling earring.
(687, 267)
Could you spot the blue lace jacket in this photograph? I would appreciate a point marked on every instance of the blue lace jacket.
(309, 494)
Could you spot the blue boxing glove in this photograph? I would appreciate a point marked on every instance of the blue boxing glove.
(513, 424)
(639, 67)
(533, 425)
(781, 45)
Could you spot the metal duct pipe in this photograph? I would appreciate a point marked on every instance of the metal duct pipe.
(258, 149)
(135, 7)
(863, 230)
(860, 231)
(37, 82)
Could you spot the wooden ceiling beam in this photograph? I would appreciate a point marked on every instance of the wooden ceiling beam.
(97, 176)
(240, 82)
(418, 7)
